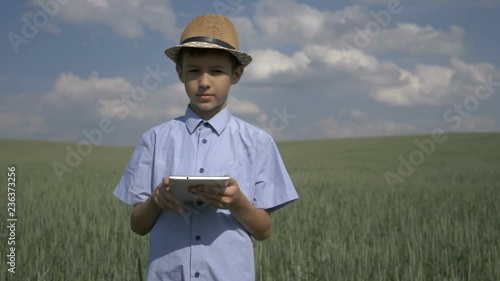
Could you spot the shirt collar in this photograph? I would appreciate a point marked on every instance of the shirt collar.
(218, 122)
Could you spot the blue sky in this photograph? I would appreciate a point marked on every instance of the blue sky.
(409, 71)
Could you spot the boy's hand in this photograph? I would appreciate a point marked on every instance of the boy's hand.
(165, 199)
(221, 197)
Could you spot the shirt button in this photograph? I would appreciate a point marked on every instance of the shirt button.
(204, 141)
(198, 237)
(197, 274)
(202, 170)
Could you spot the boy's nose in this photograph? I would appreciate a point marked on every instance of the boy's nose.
(204, 80)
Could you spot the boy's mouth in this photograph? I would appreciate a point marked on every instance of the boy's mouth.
(204, 97)
(204, 94)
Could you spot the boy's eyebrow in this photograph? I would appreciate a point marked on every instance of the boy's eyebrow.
(212, 66)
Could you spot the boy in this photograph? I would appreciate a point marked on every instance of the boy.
(213, 241)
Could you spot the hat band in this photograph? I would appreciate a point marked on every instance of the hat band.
(208, 40)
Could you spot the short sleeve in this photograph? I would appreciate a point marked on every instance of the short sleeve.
(135, 184)
(273, 187)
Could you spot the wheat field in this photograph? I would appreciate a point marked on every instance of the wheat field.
(442, 222)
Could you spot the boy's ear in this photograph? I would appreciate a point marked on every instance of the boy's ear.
(178, 68)
(237, 73)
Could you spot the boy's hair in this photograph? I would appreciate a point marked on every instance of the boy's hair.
(201, 52)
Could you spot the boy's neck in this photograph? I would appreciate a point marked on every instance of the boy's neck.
(207, 115)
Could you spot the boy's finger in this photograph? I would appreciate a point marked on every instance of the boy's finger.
(165, 181)
(169, 204)
(168, 196)
(173, 207)
(232, 182)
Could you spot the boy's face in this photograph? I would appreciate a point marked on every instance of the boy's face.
(207, 80)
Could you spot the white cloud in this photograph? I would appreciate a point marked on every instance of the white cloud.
(269, 62)
(436, 85)
(283, 18)
(349, 60)
(347, 71)
(127, 18)
(114, 98)
(287, 22)
(283, 22)
(434, 75)
(299, 62)
(476, 73)
(69, 87)
(239, 106)
(86, 100)
(163, 104)
(413, 39)
(427, 86)
(21, 116)
(17, 125)
(436, 3)
(274, 24)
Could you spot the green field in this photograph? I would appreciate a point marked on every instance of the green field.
(441, 223)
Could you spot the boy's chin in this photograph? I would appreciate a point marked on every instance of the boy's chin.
(207, 107)
(204, 107)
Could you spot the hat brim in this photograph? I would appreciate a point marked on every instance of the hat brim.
(173, 52)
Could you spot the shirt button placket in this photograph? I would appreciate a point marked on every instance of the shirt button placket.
(204, 130)
(201, 153)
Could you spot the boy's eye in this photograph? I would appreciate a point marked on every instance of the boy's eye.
(193, 70)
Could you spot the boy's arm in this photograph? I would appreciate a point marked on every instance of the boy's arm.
(256, 221)
(144, 214)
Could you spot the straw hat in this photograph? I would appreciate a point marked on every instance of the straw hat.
(210, 31)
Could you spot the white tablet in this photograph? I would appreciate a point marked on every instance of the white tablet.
(179, 185)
